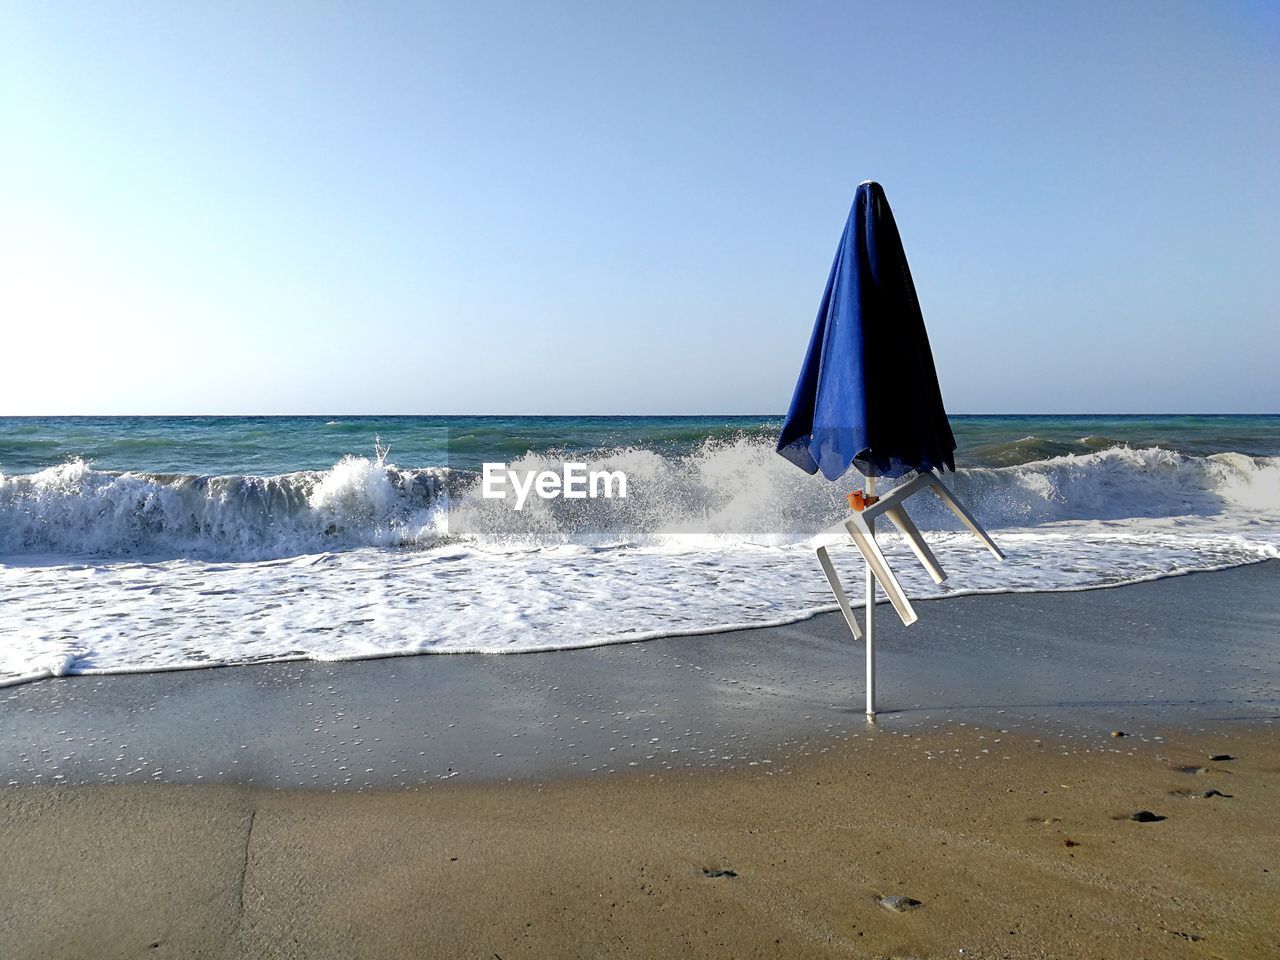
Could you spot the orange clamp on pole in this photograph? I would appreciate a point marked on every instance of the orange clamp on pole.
(859, 501)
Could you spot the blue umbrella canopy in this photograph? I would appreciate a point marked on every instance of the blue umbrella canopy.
(868, 393)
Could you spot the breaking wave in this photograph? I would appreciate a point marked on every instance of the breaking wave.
(74, 509)
(735, 488)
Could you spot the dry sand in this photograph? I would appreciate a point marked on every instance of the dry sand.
(1014, 847)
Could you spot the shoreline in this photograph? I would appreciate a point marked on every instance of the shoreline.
(718, 795)
(676, 634)
(1194, 651)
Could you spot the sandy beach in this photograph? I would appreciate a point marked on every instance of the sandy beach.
(451, 454)
(698, 796)
(1012, 846)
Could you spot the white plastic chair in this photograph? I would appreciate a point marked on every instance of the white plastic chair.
(859, 526)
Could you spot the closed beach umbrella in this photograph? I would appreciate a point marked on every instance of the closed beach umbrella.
(868, 396)
(868, 392)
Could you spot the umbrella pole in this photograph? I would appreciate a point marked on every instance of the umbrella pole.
(871, 616)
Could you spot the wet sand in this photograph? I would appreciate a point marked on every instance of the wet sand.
(1192, 651)
(364, 809)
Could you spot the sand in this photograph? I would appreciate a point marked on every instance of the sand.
(1014, 849)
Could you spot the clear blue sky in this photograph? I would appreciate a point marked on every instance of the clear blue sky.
(628, 208)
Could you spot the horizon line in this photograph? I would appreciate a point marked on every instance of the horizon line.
(596, 416)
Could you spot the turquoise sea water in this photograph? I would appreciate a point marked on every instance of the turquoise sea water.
(276, 445)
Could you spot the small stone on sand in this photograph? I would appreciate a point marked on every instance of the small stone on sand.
(1118, 733)
(1221, 756)
(898, 904)
(1146, 816)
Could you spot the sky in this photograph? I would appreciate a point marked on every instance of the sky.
(393, 208)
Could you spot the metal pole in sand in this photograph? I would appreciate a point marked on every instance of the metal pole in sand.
(871, 616)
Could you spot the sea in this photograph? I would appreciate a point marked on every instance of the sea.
(133, 544)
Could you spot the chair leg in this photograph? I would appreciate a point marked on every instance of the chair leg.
(880, 567)
(834, 582)
(949, 499)
(916, 542)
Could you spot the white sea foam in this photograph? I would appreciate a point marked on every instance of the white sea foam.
(109, 572)
(74, 509)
